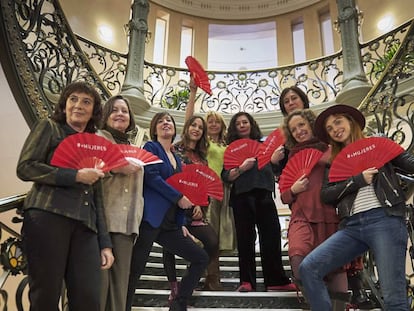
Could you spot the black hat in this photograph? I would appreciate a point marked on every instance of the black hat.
(319, 127)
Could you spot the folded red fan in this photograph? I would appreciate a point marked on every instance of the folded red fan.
(191, 185)
(272, 142)
(212, 181)
(299, 164)
(361, 155)
(86, 150)
(238, 151)
(138, 155)
(199, 74)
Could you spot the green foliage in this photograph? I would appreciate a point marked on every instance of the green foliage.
(176, 98)
(383, 61)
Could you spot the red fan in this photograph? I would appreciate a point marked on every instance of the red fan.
(138, 155)
(86, 150)
(238, 151)
(191, 185)
(362, 154)
(211, 179)
(299, 164)
(199, 74)
(272, 142)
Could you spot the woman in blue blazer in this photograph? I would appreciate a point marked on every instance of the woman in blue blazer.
(163, 219)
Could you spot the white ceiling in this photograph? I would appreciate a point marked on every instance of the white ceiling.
(86, 16)
(234, 9)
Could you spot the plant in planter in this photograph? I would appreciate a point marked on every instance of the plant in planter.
(176, 98)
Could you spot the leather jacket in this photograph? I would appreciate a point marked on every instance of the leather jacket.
(386, 185)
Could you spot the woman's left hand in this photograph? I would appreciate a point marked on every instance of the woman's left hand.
(187, 233)
(127, 169)
(197, 213)
(107, 258)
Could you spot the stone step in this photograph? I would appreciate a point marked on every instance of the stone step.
(211, 309)
(153, 290)
(223, 299)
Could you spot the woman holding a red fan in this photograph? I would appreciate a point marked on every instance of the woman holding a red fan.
(371, 207)
(294, 98)
(253, 205)
(123, 202)
(311, 221)
(291, 98)
(192, 149)
(219, 215)
(64, 230)
(164, 215)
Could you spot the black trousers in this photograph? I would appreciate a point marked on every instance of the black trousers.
(61, 249)
(252, 209)
(174, 242)
(206, 235)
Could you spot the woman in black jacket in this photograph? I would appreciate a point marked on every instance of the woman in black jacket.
(64, 228)
(252, 201)
(371, 206)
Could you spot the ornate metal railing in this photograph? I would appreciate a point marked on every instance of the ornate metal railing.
(42, 40)
(46, 55)
(378, 52)
(12, 259)
(254, 91)
(389, 106)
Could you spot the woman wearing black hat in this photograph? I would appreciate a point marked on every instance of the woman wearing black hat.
(371, 206)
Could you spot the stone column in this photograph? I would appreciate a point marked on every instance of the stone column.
(133, 87)
(355, 83)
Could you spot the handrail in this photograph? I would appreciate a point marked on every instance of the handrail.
(11, 202)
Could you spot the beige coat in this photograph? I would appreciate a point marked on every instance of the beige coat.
(123, 200)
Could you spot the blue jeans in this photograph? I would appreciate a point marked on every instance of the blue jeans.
(386, 236)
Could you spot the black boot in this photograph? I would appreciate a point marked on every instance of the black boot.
(359, 294)
(361, 299)
(178, 304)
(339, 300)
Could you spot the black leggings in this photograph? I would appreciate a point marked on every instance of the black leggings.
(176, 243)
(206, 235)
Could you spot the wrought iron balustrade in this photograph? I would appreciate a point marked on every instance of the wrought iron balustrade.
(389, 106)
(12, 258)
(56, 56)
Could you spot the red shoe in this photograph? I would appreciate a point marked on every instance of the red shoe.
(285, 288)
(245, 287)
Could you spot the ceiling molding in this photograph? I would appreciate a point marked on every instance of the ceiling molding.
(234, 9)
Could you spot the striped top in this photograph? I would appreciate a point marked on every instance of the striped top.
(365, 200)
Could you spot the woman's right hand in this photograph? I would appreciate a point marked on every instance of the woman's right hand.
(369, 174)
(89, 176)
(247, 164)
(300, 185)
(277, 155)
(185, 203)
